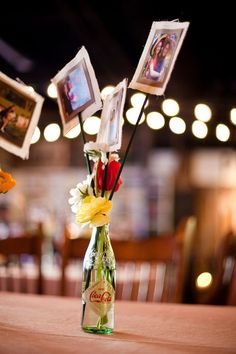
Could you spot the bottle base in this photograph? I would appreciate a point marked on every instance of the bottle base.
(96, 330)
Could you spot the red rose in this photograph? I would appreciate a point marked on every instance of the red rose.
(112, 171)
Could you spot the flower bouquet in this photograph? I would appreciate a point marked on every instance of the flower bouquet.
(91, 202)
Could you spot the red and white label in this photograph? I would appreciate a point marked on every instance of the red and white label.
(100, 297)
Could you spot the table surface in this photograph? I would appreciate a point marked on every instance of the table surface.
(48, 324)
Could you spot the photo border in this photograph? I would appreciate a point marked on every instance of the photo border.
(29, 94)
(158, 26)
(101, 139)
(89, 108)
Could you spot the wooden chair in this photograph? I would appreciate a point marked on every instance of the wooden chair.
(72, 248)
(155, 269)
(26, 244)
(147, 270)
(223, 289)
(231, 296)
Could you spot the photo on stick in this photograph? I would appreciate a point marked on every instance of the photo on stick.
(159, 55)
(20, 108)
(110, 132)
(77, 90)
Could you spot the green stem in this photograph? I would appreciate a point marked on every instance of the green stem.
(88, 274)
(104, 319)
(105, 176)
(100, 253)
(128, 147)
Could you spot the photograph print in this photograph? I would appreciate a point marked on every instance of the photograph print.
(20, 108)
(77, 90)
(159, 56)
(110, 132)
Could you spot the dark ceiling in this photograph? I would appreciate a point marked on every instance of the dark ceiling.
(49, 34)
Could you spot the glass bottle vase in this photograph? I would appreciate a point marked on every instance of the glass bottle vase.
(98, 289)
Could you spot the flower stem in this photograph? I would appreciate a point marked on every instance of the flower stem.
(88, 274)
(128, 147)
(105, 177)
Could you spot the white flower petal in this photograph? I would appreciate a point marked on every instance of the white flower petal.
(75, 209)
(72, 191)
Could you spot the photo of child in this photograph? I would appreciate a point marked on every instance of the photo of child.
(77, 90)
(19, 113)
(7, 115)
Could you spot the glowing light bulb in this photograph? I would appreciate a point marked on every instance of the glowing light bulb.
(36, 136)
(106, 91)
(92, 125)
(233, 115)
(204, 280)
(137, 100)
(222, 132)
(74, 132)
(177, 125)
(199, 129)
(155, 120)
(202, 112)
(132, 115)
(52, 132)
(51, 90)
(170, 107)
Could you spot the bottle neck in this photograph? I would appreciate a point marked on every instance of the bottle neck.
(100, 251)
(99, 235)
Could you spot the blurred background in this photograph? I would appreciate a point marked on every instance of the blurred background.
(177, 167)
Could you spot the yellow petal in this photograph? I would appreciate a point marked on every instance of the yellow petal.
(94, 210)
(100, 220)
(88, 199)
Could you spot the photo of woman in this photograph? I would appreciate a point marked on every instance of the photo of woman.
(159, 56)
(110, 132)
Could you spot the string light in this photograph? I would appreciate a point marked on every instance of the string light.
(132, 116)
(51, 90)
(199, 129)
(202, 112)
(52, 132)
(137, 100)
(74, 132)
(204, 280)
(36, 136)
(177, 125)
(233, 115)
(170, 107)
(92, 125)
(106, 91)
(222, 132)
(155, 120)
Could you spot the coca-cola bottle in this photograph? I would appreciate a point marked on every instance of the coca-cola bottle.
(98, 290)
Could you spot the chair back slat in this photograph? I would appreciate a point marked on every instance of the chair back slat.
(29, 244)
(147, 270)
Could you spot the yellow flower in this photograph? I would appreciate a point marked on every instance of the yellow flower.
(6, 181)
(94, 211)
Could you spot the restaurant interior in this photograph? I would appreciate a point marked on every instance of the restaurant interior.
(179, 180)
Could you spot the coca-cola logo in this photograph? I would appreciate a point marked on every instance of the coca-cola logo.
(100, 297)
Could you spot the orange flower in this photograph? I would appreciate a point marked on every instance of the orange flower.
(6, 181)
